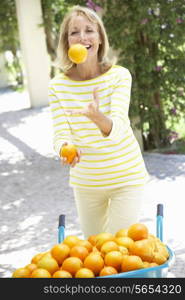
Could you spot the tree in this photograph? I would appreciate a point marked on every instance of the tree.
(53, 13)
(9, 40)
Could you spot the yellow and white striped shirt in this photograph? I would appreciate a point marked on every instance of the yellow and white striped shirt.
(106, 162)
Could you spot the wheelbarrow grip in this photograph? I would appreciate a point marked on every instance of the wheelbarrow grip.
(61, 228)
(159, 228)
(160, 210)
(61, 221)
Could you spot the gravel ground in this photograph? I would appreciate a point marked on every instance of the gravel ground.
(34, 189)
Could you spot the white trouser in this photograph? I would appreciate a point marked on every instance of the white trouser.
(108, 210)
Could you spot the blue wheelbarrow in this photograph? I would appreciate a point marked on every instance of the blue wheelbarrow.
(160, 271)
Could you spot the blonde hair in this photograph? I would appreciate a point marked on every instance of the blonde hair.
(62, 50)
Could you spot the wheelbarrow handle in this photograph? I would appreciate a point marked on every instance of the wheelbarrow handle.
(61, 228)
(159, 228)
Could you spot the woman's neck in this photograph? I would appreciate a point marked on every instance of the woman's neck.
(84, 71)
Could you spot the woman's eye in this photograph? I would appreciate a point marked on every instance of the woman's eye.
(74, 32)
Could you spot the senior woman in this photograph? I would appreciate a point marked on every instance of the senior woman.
(89, 105)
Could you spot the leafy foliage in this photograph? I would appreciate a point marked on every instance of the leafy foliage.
(53, 13)
(9, 40)
(151, 42)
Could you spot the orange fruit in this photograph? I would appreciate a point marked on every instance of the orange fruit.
(31, 267)
(61, 274)
(121, 232)
(48, 263)
(40, 273)
(146, 264)
(113, 259)
(92, 239)
(152, 242)
(138, 231)
(84, 273)
(103, 237)
(161, 248)
(124, 241)
(107, 270)
(164, 251)
(71, 240)
(21, 273)
(130, 263)
(153, 264)
(79, 251)
(159, 258)
(72, 265)
(94, 249)
(48, 254)
(69, 151)
(77, 53)
(85, 244)
(143, 249)
(109, 246)
(94, 262)
(153, 237)
(60, 252)
(36, 257)
(123, 250)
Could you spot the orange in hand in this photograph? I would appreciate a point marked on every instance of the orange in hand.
(69, 151)
(77, 53)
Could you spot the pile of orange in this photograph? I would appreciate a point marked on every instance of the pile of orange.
(99, 255)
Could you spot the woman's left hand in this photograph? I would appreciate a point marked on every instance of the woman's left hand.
(91, 110)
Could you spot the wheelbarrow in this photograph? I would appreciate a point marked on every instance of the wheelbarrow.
(160, 271)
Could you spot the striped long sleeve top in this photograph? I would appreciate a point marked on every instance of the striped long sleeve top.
(107, 161)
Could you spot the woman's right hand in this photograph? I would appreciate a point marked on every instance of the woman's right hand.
(75, 160)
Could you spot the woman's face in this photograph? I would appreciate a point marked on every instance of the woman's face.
(84, 32)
